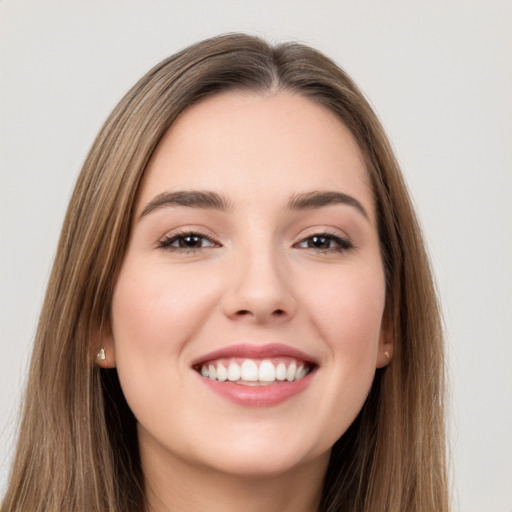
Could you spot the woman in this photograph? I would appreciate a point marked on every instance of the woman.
(241, 312)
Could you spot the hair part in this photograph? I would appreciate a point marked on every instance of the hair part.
(77, 448)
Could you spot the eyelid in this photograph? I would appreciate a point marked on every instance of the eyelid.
(166, 241)
(344, 243)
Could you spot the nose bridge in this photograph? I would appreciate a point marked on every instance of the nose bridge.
(259, 283)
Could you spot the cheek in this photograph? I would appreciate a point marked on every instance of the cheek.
(155, 310)
(348, 309)
(348, 318)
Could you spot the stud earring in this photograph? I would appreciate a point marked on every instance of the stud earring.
(385, 353)
(101, 356)
(101, 360)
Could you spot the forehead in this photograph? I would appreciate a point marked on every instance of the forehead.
(271, 145)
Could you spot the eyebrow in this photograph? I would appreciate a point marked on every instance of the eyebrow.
(317, 199)
(212, 200)
(190, 198)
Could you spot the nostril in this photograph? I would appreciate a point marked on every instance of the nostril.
(246, 312)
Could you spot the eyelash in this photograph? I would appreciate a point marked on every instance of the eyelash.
(342, 244)
(182, 235)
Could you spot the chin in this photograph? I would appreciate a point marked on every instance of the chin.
(247, 464)
(254, 454)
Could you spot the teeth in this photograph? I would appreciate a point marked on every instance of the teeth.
(250, 373)
(222, 373)
(267, 372)
(233, 372)
(301, 373)
(290, 372)
(281, 371)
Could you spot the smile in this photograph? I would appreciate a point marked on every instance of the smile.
(256, 375)
(254, 372)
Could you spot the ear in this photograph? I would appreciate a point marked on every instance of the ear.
(103, 348)
(386, 342)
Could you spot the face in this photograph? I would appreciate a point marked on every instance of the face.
(247, 316)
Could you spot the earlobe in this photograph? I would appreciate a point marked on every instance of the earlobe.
(104, 349)
(103, 361)
(386, 345)
(384, 358)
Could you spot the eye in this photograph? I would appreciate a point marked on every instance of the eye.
(325, 242)
(187, 242)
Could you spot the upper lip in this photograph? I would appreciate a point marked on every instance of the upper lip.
(251, 351)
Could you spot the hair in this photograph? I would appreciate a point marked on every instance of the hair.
(77, 448)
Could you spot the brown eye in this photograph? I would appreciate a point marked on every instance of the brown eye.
(319, 242)
(325, 242)
(190, 241)
(187, 242)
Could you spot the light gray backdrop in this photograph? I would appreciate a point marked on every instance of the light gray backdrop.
(439, 75)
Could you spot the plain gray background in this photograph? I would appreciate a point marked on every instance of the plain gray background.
(439, 75)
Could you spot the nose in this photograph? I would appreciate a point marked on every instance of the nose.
(259, 289)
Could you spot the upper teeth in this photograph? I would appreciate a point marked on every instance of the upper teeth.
(248, 371)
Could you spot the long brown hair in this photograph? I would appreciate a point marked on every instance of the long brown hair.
(77, 448)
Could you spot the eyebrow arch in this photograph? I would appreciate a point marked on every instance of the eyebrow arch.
(317, 199)
(190, 198)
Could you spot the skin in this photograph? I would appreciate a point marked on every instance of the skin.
(259, 280)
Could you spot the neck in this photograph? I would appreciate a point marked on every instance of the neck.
(178, 486)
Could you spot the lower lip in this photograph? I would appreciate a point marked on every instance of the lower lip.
(258, 396)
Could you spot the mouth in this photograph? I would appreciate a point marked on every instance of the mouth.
(256, 375)
(255, 372)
